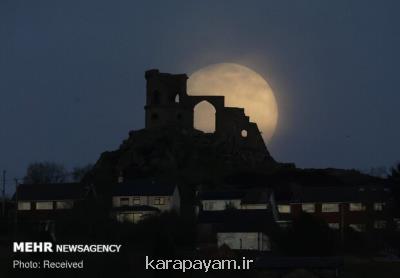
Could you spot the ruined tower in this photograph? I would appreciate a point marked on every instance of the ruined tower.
(164, 94)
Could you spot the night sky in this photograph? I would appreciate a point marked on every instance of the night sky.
(72, 73)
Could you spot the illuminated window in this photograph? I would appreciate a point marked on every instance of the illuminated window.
(330, 207)
(244, 133)
(159, 201)
(24, 205)
(334, 226)
(308, 208)
(136, 201)
(44, 205)
(208, 205)
(64, 204)
(358, 227)
(356, 207)
(123, 202)
(380, 224)
(125, 217)
(284, 208)
(379, 206)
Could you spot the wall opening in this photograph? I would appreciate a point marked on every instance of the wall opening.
(243, 133)
(177, 98)
(204, 117)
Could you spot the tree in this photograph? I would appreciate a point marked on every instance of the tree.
(380, 172)
(79, 172)
(395, 173)
(308, 236)
(45, 172)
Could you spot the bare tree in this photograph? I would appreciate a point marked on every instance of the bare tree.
(380, 172)
(45, 172)
(395, 173)
(79, 172)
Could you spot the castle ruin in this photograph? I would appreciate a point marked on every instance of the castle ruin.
(168, 105)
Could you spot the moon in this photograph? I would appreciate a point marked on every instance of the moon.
(242, 87)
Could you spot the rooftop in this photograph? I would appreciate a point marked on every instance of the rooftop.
(144, 187)
(56, 191)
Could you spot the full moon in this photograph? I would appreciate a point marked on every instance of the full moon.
(242, 87)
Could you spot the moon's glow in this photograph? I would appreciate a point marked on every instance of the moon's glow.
(204, 115)
(242, 87)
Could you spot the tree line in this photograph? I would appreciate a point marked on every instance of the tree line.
(47, 172)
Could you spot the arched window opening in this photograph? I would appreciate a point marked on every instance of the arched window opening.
(243, 133)
(204, 117)
(177, 98)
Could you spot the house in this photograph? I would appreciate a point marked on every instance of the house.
(134, 200)
(257, 199)
(48, 199)
(40, 205)
(361, 208)
(236, 199)
(220, 200)
(237, 229)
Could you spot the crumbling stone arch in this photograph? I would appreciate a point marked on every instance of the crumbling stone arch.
(204, 117)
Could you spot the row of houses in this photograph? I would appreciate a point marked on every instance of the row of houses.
(240, 219)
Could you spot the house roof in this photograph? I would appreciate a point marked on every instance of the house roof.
(222, 195)
(57, 191)
(144, 187)
(256, 197)
(332, 194)
(235, 220)
(253, 196)
(136, 208)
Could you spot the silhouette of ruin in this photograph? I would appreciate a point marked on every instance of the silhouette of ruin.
(168, 105)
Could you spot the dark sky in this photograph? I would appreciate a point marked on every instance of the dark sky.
(72, 73)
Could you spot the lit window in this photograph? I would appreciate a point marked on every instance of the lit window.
(308, 207)
(125, 217)
(24, 205)
(137, 216)
(334, 226)
(64, 204)
(397, 224)
(284, 208)
(124, 202)
(208, 205)
(379, 206)
(380, 224)
(330, 208)
(356, 207)
(136, 201)
(159, 201)
(284, 224)
(44, 205)
(358, 227)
